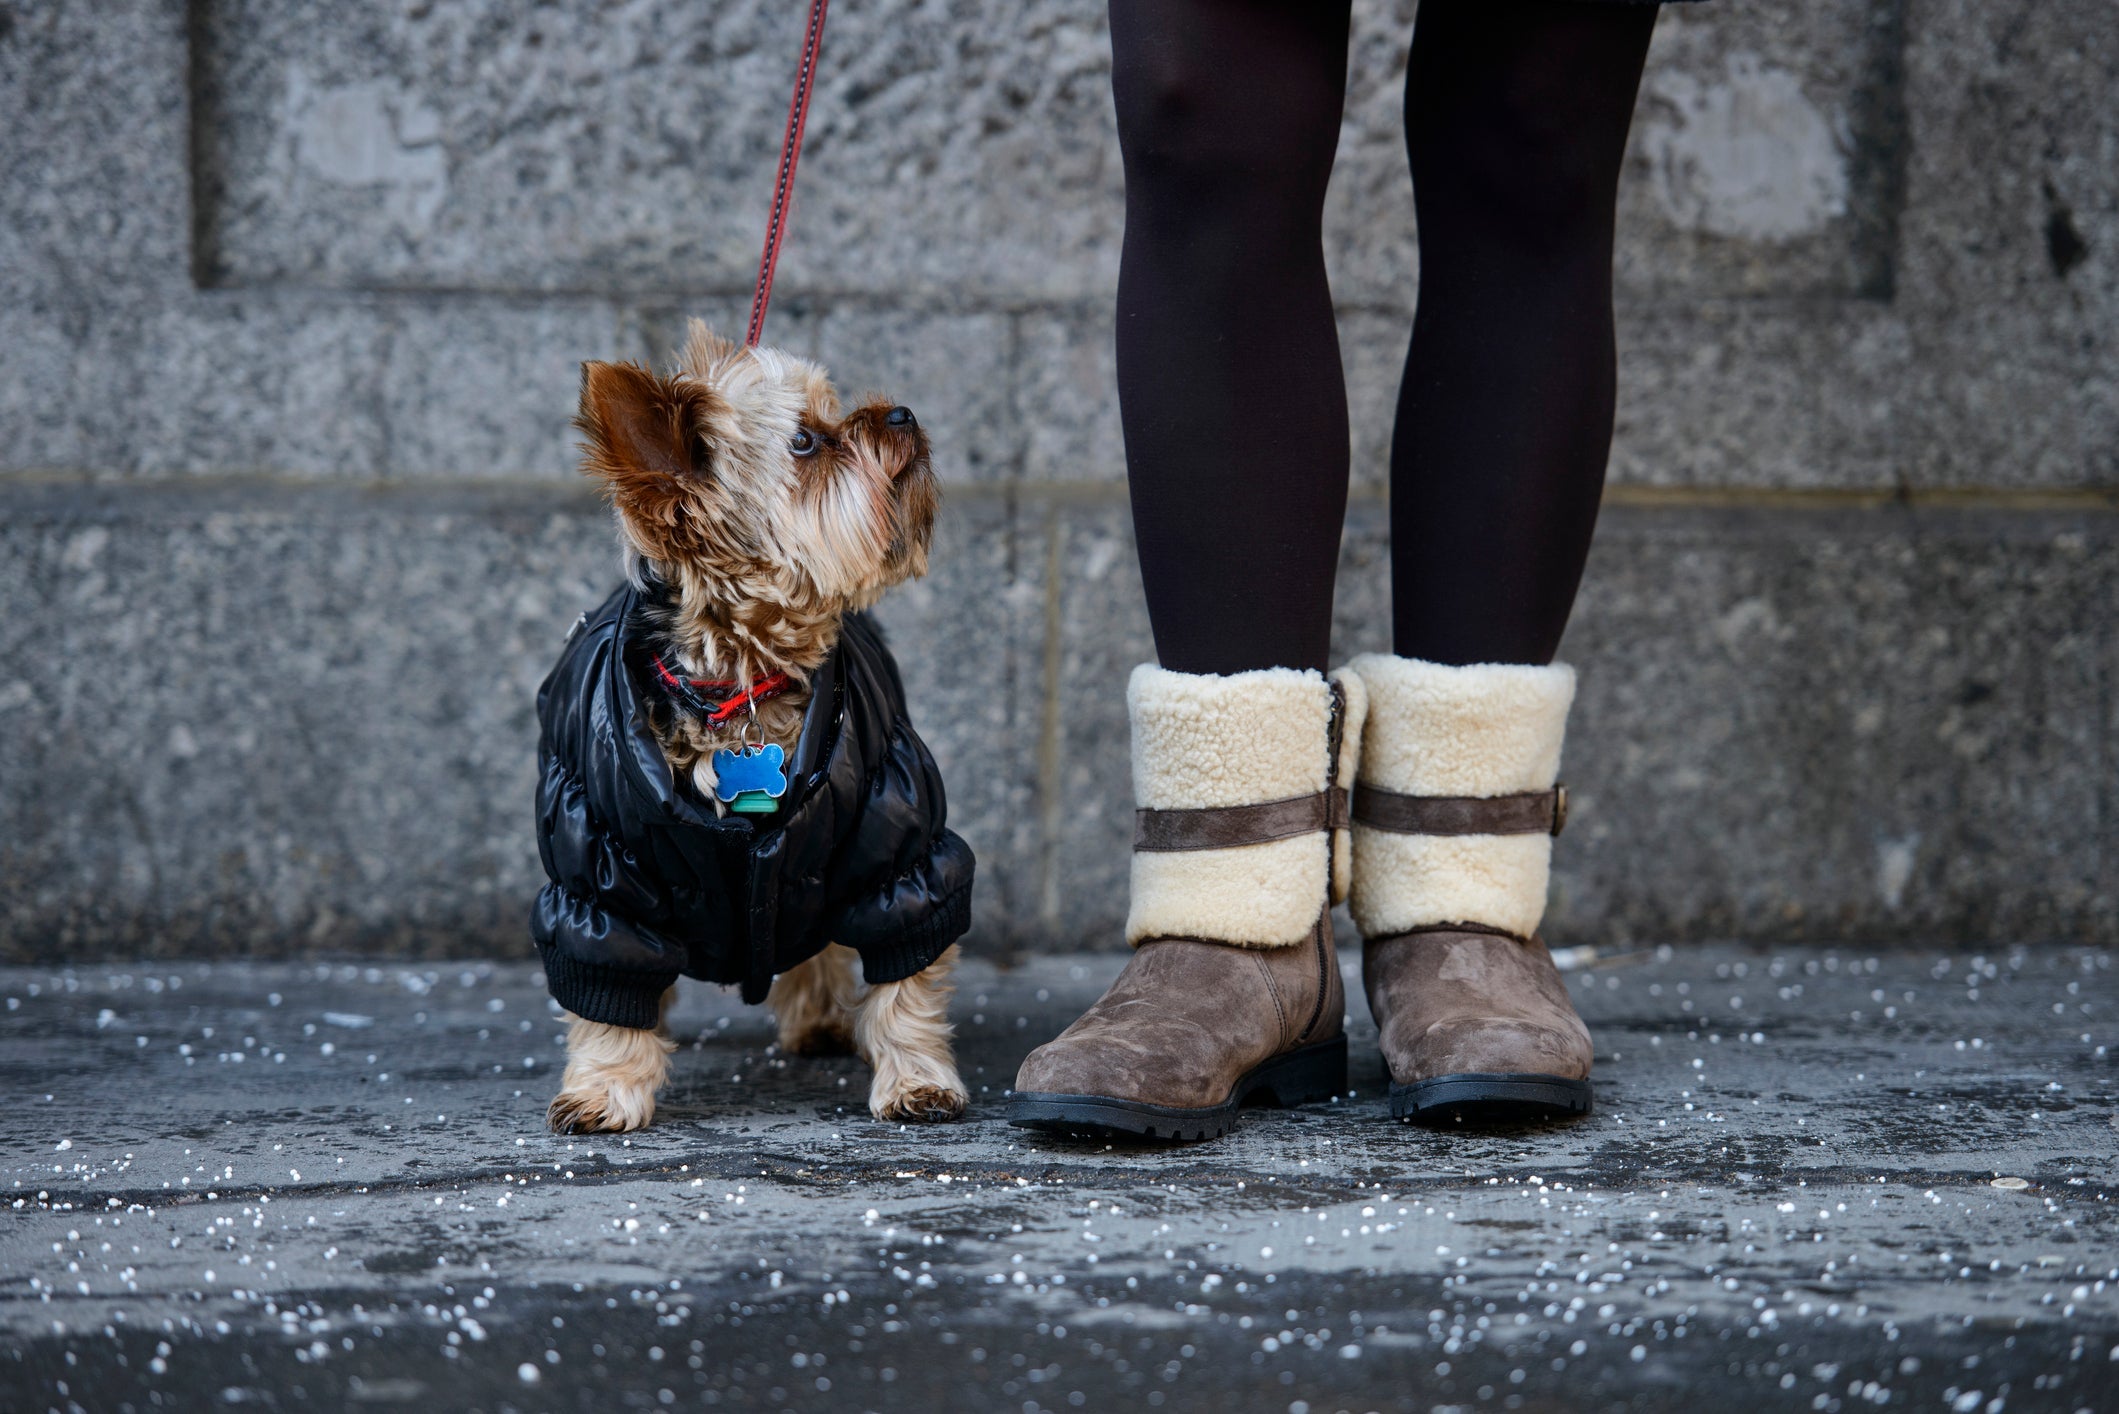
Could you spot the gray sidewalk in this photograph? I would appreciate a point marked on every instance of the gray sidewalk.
(1815, 1180)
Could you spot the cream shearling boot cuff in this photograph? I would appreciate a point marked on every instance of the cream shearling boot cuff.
(1482, 731)
(1207, 742)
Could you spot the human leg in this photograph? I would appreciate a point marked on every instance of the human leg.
(1516, 122)
(1236, 447)
(1516, 119)
(1230, 388)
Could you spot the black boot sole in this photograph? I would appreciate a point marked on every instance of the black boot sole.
(1292, 1078)
(1491, 1098)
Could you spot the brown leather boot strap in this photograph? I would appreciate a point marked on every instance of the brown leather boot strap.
(1227, 826)
(1534, 812)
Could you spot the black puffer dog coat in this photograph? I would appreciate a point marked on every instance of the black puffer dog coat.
(647, 883)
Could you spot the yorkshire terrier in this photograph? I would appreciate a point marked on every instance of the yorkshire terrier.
(765, 514)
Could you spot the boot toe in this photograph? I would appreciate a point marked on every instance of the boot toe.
(1491, 1045)
(1136, 1066)
(1054, 1068)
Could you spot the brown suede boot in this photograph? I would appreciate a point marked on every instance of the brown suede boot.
(1454, 819)
(1475, 1020)
(1233, 991)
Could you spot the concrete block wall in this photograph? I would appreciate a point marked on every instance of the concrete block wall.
(292, 301)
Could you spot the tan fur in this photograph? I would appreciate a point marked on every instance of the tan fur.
(902, 1030)
(612, 1076)
(813, 1004)
(767, 548)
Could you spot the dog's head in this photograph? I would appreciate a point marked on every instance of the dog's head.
(741, 481)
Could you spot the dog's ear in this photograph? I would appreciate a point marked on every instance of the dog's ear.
(639, 425)
(704, 350)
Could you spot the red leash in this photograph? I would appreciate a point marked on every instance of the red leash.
(784, 186)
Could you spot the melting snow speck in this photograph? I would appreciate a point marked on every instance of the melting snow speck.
(527, 1373)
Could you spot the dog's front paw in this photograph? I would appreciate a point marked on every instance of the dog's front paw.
(608, 1109)
(916, 1102)
(612, 1075)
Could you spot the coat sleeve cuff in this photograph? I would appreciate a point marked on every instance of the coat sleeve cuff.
(633, 967)
(605, 994)
(907, 953)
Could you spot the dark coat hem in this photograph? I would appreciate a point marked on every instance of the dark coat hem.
(909, 954)
(611, 995)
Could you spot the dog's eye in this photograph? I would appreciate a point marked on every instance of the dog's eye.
(803, 443)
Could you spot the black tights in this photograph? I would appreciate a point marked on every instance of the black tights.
(1230, 387)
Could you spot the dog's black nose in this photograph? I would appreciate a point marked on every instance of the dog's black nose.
(900, 416)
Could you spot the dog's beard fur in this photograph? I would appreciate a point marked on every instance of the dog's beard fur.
(769, 514)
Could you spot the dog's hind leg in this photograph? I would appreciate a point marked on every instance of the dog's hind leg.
(902, 1030)
(612, 1075)
(813, 1004)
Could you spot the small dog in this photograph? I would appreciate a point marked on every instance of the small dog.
(765, 514)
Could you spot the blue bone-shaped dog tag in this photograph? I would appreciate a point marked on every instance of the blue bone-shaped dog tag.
(752, 769)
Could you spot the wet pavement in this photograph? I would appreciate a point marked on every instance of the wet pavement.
(1816, 1179)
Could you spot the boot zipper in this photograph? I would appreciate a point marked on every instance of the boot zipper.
(1334, 725)
(1331, 844)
